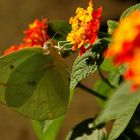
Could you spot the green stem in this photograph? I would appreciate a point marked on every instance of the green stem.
(103, 34)
(105, 79)
(131, 134)
(92, 92)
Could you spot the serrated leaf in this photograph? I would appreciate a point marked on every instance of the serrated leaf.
(29, 84)
(81, 69)
(84, 131)
(120, 124)
(112, 25)
(59, 28)
(88, 62)
(128, 11)
(120, 108)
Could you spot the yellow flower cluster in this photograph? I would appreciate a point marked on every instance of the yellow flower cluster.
(79, 23)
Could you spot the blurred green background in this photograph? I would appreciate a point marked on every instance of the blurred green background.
(15, 15)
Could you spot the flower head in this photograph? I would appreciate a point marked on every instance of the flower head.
(85, 27)
(36, 35)
(13, 48)
(125, 47)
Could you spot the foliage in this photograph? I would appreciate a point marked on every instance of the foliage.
(128, 11)
(88, 62)
(47, 129)
(85, 130)
(112, 25)
(35, 80)
(58, 29)
(120, 107)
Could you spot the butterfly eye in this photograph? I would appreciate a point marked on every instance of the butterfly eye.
(48, 44)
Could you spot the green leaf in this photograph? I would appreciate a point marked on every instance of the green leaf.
(59, 28)
(52, 130)
(29, 83)
(88, 62)
(104, 89)
(37, 128)
(48, 130)
(114, 76)
(85, 131)
(108, 65)
(83, 66)
(128, 11)
(112, 25)
(115, 72)
(120, 124)
(120, 108)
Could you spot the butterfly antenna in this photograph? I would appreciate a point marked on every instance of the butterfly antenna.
(53, 36)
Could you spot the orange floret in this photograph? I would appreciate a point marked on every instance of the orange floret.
(13, 48)
(36, 35)
(125, 47)
(85, 26)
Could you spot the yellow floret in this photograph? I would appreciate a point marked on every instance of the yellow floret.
(79, 23)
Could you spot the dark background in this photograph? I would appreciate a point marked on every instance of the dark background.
(15, 15)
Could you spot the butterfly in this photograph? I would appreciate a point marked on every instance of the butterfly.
(35, 83)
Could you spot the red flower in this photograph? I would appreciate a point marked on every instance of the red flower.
(13, 48)
(36, 35)
(125, 47)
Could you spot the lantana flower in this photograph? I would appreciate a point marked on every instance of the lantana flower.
(125, 47)
(36, 35)
(85, 26)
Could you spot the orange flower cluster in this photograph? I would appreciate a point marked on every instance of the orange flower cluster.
(85, 26)
(36, 35)
(125, 47)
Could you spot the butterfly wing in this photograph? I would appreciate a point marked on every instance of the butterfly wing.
(37, 87)
(10, 62)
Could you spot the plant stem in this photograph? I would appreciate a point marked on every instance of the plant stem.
(131, 134)
(103, 34)
(92, 92)
(105, 79)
